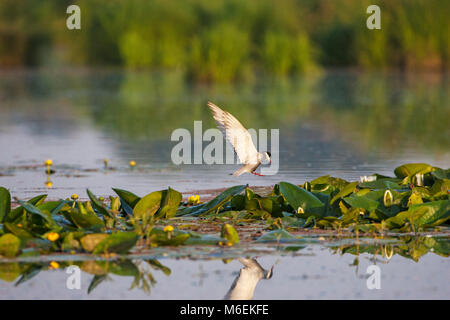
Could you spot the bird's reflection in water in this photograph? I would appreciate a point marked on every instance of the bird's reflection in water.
(245, 283)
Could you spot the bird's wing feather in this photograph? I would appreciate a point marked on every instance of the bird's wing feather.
(236, 134)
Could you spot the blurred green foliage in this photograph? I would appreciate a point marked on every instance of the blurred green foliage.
(225, 40)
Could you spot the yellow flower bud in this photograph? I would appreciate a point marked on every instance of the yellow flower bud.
(194, 199)
(48, 162)
(132, 163)
(74, 197)
(52, 236)
(54, 265)
(168, 228)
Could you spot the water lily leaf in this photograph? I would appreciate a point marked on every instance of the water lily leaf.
(299, 197)
(148, 205)
(171, 202)
(203, 239)
(279, 235)
(441, 174)
(229, 232)
(348, 189)
(5, 203)
(9, 245)
(380, 184)
(412, 169)
(90, 241)
(84, 221)
(36, 211)
(16, 213)
(214, 204)
(69, 242)
(161, 238)
(17, 231)
(362, 202)
(431, 213)
(127, 197)
(120, 242)
(50, 206)
(238, 202)
(408, 171)
(98, 205)
(271, 205)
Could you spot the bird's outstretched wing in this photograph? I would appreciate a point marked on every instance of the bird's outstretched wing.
(236, 134)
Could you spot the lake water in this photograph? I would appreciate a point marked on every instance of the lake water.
(345, 124)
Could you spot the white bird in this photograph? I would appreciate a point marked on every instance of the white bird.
(244, 285)
(240, 139)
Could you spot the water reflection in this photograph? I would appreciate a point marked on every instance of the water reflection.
(245, 283)
(145, 272)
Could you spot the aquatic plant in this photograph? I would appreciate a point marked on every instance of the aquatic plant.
(402, 203)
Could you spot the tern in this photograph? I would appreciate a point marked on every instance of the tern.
(244, 285)
(241, 140)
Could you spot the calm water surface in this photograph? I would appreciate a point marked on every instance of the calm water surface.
(341, 123)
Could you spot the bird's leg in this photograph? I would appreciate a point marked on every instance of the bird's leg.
(258, 174)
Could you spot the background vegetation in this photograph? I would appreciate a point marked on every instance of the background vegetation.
(225, 40)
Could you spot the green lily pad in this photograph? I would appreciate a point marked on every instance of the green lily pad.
(279, 235)
(127, 197)
(432, 213)
(229, 232)
(90, 241)
(170, 203)
(362, 202)
(412, 169)
(120, 242)
(213, 205)
(148, 205)
(84, 221)
(9, 245)
(299, 197)
(5, 203)
(98, 205)
(36, 211)
(348, 189)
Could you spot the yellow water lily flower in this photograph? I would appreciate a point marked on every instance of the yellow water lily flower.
(194, 199)
(54, 265)
(132, 163)
(74, 197)
(49, 184)
(52, 236)
(168, 228)
(48, 162)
